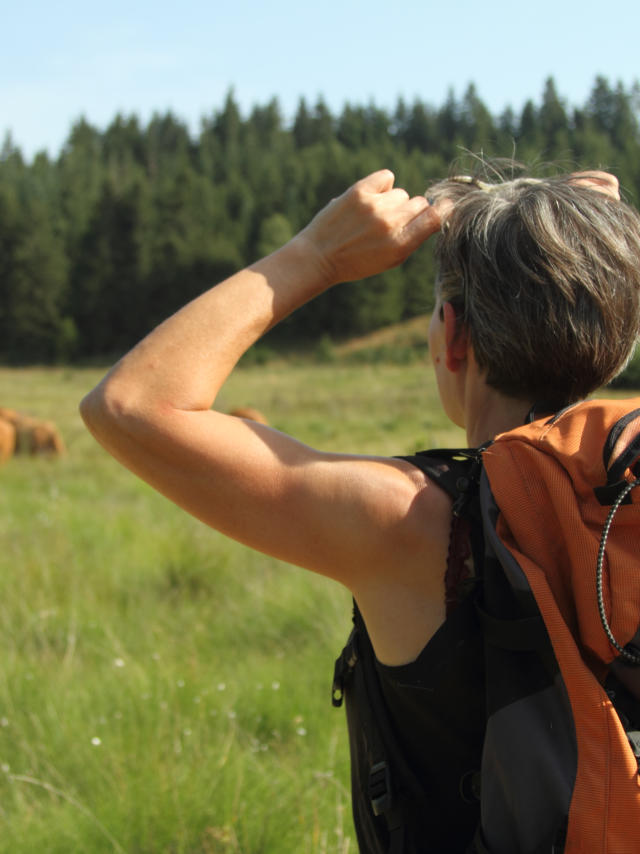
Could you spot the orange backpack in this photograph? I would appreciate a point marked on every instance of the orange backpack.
(561, 524)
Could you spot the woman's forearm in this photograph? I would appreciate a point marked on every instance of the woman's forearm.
(183, 363)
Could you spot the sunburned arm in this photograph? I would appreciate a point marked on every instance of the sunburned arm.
(340, 515)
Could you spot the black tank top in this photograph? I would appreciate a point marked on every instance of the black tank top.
(431, 718)
(425, 721)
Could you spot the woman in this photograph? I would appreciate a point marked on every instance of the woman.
(537, 303)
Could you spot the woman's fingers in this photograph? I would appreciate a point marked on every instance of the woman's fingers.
(373, 226)
(376, 182)
(427, 219)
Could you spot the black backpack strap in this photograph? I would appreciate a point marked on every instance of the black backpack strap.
(457, 473)
(384, 803)
(447, 468)
(518, 634)
(382, 791)
(617, 460)
(479, 846)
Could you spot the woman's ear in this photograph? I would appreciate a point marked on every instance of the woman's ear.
(456, 338)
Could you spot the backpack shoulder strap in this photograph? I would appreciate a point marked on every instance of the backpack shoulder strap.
(545, 495)
(455, 471)
(384, 767)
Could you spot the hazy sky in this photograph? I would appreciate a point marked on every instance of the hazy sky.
(61, 60)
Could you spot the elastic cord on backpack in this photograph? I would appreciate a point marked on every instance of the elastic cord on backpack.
(629, 657)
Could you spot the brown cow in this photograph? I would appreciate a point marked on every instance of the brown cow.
(250, 413)
(9, 414)
(33, 436)
(7, 440)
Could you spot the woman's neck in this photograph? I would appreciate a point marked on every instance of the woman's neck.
(489, 412)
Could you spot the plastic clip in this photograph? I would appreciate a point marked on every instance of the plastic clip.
(380, 788)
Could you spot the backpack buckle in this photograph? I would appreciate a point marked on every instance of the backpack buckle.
(380, 788)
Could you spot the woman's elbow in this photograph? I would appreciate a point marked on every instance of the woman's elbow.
(105, 408)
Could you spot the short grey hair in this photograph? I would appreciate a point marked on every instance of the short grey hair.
(545, 274)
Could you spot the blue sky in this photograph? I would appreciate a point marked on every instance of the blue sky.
(59, 61)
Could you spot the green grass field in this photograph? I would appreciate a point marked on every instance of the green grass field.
(164, 689)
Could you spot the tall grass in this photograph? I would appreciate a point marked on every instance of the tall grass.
(164, 689)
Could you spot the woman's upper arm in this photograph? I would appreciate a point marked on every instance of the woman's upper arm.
(334, 514)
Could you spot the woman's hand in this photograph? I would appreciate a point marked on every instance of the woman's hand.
(370, 228)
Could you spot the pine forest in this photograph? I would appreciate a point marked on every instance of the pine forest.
(122, 226)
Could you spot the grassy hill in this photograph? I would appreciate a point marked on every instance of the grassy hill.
(399, 343)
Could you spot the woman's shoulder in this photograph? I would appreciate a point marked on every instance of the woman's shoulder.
(401, 595)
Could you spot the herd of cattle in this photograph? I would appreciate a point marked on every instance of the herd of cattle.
(23, 434)
(249, 413)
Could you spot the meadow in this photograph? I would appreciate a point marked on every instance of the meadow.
(164, 689)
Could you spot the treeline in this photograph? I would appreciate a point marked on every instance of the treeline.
(124, 225)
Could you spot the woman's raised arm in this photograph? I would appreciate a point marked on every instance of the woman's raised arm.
(153, 411)
(183, 362)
